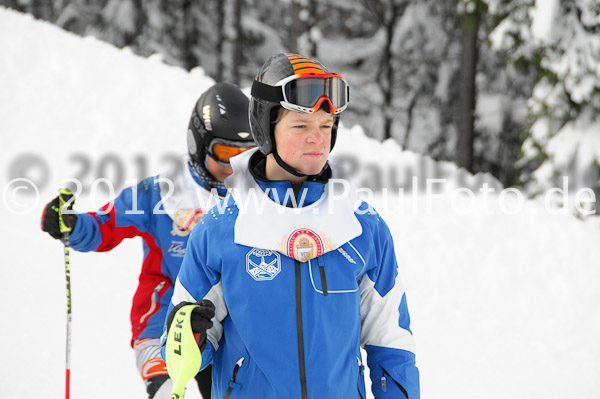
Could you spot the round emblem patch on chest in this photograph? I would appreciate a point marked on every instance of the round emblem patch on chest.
(304, 244)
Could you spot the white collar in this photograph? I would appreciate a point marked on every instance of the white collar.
(301, 233)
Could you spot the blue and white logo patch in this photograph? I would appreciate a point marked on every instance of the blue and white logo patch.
(262, 264)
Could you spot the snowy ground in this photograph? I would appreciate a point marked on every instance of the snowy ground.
(503, 306)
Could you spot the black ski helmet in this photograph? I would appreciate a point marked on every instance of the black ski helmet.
(263, 112)
(221, 112)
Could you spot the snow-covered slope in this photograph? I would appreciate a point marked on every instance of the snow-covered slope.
(503, 305)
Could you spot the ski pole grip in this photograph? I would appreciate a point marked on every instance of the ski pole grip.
(182, 352)
(65, 205)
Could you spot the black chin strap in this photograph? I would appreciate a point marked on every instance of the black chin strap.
(285, 166)
(258, 163)
(293, 171)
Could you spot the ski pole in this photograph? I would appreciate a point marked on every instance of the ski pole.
(65, 195)
(182, 352)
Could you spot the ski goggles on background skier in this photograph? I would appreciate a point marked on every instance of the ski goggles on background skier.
(222, 150)
(306, 92)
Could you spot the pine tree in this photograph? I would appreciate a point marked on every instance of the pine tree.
(563, 44)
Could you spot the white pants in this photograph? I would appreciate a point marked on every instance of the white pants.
(150, 364)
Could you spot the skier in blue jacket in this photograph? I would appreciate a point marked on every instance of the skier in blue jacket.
(162, 210)
(292, 272)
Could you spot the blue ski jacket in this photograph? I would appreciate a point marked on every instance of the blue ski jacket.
(292, 313)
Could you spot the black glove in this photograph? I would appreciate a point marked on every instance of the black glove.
(200, 319)
(50, 217)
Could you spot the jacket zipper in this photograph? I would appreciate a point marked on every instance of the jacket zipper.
(232, 382)
(360, 373)
(300, 330)
(384, 383)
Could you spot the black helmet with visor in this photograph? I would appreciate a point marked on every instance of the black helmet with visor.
(219, 125)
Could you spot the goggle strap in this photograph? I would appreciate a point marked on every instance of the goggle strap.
(267, 92)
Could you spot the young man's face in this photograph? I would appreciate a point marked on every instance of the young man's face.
(304, 141)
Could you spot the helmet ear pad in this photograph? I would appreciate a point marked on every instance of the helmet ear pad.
(334, 128)
(196, 139)
(260, 114)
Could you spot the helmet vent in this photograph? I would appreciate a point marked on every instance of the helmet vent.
(223, 111)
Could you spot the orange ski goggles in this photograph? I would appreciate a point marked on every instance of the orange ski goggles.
(222, 151)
